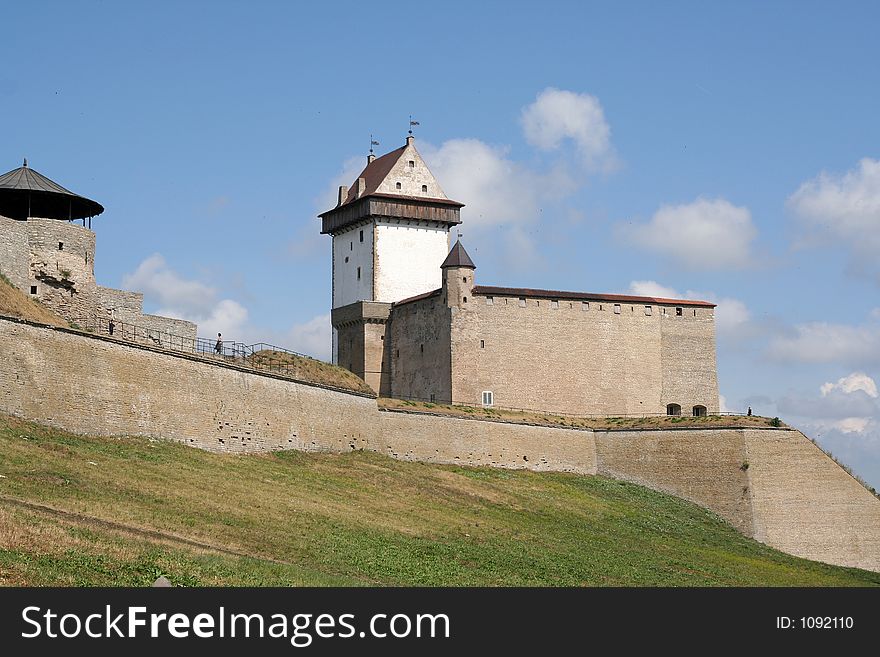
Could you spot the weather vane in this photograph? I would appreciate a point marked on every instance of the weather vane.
(412, 123)
(373, 142)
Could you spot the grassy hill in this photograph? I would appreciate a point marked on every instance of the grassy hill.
(77, 510)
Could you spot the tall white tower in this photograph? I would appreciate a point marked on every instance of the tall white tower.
(390, 233)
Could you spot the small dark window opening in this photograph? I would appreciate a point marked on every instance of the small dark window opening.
(412, 164)
(422, 348)
(33, 289)
(397, 354)
(464, 300)
(397, 185)
(699, 411)
(695, 312)
(432, 397)
(60, 246)
(382, 337)
(482, 344)
(351, 247)
(673, 409)
(424, 189)
(678, 312)
(464, 279)
(362, 236)
(359, 273)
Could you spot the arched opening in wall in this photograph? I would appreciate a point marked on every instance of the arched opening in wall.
(699, 411)
(673, 409)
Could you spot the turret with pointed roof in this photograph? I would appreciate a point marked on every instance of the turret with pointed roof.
(458, 257)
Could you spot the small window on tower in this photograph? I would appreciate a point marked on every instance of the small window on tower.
(488, 398)
(464, 279)
(359, 273)
(412, 164)
(424, 189)
(33, 289)
(60, 246)
(585, 305)
(554, 304)
(351, 247)
(362, 236)
(616, 308)
(522, 302)
(678, 312)
(346, 258)
(648, 310)
(464, 299)
(422, 348)
(490, 301)
(482, 344)
(397, 185)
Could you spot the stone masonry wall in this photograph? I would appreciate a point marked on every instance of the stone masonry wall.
(437, 439)
(703, 466)
(418, 350)
(15, 254)
(63, 266)
(806, 504)
(124, 306)
(99, 386)
(772, 484)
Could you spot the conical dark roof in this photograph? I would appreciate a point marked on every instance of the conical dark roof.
(458, 257)
(25, 193)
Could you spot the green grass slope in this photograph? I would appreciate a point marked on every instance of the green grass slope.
(78, 510)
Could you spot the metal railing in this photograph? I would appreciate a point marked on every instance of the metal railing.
(259, 356)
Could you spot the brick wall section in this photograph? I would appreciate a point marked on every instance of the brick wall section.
(703, 466)
(15, 254)
(436, 439)
(805, 504)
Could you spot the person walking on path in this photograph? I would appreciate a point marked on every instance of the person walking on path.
(218, 348)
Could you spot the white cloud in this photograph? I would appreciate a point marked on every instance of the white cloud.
(706, 234)
(558, 115)
(227, 317)
(851, 383)
(495, 189)
(821, 342)
(186, 299)
(312, 337)
(722, 404)
(731, 315)
(162, 285)
(652, 289)
(845, 207)
(853, 424)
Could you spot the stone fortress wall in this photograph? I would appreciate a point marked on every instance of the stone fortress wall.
(552, 353)
(54, 262)
(774, 484)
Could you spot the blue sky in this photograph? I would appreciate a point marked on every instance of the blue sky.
(729, 150)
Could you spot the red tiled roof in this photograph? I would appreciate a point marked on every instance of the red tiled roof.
(419, 297)
(487, 290)
(374, 173)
